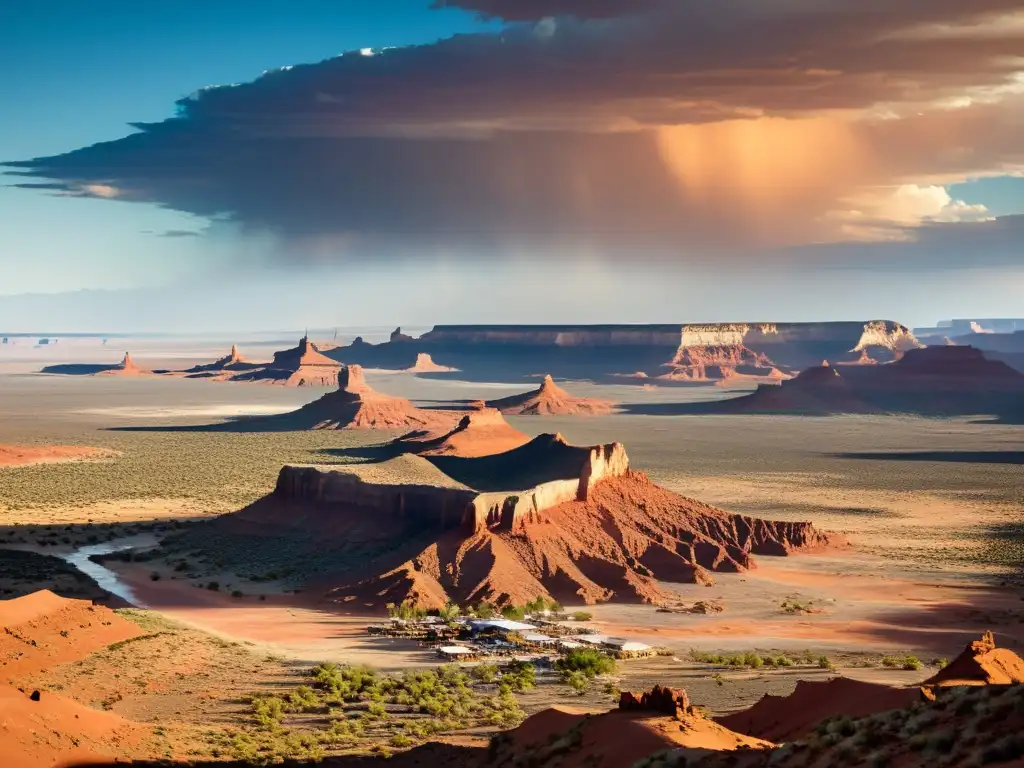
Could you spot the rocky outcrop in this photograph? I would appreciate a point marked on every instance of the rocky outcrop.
(223, 368)
(482, 432)
(981, 663)
(300, 366)
(701, 363)
(126, 367)
(398, 337)
(550, 400)
(425, 364)
(663, 701)
(355, 405)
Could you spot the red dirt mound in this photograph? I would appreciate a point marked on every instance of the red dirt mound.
(479, 433)
(50, 730)
(42, 729)
(355, 405)
(981, 663)
(616, 546)
(569, 739)
(21, 455)
(300, 366)
(550, 400)
(425, 364)
(787, 718)
(43, 629)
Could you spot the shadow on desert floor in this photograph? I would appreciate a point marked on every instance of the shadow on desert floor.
(967, 457)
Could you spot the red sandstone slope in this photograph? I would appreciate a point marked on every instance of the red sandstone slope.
(981, 663)
(478, 433)
(638, 728)
(788, 718)
(550, 400)
(617, 545)
(43, 629)
(355, 405)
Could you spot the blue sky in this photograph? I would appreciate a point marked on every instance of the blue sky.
(78, 73)
(558, 145)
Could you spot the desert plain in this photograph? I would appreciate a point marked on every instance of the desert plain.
(924, 516)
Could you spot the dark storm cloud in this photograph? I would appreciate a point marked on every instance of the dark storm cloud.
(678, 126)
(533, 10)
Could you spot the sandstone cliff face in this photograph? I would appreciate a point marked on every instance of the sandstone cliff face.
(432, 506)
(618, 544)
(718, 363)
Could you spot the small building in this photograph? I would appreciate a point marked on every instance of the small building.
(502, 626)
(628, 649)
(538, 639)
(589, 640)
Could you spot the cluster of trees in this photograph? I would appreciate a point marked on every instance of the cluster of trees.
(361, 707)
(408, 611)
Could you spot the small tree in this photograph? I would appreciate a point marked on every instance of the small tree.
(485, 611)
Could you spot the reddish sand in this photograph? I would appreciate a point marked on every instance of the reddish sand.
(20, 455)
(425, 364)
(354, 405)
(479, 433)
(550, 400)
(57, 731)
(617, 545)
(42, 630)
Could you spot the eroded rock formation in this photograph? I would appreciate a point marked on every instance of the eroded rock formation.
(355, 405)
(550, 400)
(300, 366)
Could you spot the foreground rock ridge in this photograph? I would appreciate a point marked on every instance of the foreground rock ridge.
(570, 522)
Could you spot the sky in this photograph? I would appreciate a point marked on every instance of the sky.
(192, 165)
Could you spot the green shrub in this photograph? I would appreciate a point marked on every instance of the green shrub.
(582, 616)
(485, 672)
(587, 661)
